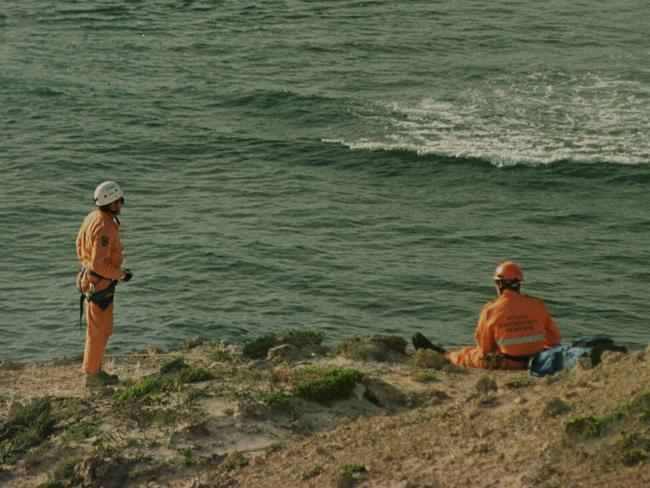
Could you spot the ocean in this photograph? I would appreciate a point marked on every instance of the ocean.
(357, 167)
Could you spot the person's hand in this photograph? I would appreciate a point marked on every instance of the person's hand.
(127, 275)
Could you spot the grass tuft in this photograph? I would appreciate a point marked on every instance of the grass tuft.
(194, 375)
(351, 469)
(140, 389)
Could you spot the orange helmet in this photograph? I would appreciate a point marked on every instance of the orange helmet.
(510, 271)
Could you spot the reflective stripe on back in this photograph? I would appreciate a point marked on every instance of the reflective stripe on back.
(520, 340)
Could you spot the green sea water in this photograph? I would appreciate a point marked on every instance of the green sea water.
(360, 167)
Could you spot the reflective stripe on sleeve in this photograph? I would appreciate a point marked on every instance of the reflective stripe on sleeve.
(521, 340)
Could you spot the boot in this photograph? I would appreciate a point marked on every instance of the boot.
(100, 379)
(421, 342)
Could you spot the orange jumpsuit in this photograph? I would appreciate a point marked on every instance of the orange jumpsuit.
(512, 325)
(99, 251)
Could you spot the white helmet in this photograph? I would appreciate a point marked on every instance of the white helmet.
(107, 192)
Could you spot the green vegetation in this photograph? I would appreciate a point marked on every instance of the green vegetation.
(140, 389)
(277, 400)
(518, 383)
(312, 473)
(258, 347)
(173, 366)
(194, 375)
(634, 456)
(424, 377)
(324, 385)
(238, 462)
(134, 402)
(26, 428)
(556, 407)
(640, 406)
(351, 469)
(586, 426)
(63, 475)
(199, 429)
(300, 338)
(178, 372)
(272, 448)
(628, 439)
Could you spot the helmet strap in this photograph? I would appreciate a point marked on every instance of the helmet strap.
(502, 285)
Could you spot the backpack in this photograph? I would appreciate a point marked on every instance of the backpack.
(596, 345)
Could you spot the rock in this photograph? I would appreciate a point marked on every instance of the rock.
(359, 391)
(426, 358)
(105, 472)
(611, 357)
(382, 394)
(584, 363)
(395, 343)
(374, 348)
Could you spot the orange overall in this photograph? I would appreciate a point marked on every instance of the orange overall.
(100, 253)
(513, 325)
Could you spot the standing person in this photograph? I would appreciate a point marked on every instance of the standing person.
(510, 329)
(100, 253)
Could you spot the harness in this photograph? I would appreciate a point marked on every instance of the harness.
(102, 298)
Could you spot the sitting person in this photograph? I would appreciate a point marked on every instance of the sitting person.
(510, 329)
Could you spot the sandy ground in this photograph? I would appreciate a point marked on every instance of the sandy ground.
(410, 422)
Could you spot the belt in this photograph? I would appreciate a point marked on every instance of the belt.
(521, 359)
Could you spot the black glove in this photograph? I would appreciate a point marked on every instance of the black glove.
(127, 275)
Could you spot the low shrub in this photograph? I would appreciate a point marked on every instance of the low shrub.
(173, 366)
(634, 456)
(258, 347)
(276, 400)
(194, 375)
(628, 439)
(587, 426)
(26, 428)
(324, 385)
(302, 337)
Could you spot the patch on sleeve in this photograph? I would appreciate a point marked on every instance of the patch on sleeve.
(104, 240)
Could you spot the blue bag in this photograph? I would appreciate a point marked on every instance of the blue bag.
(548, 361)
(561, 358)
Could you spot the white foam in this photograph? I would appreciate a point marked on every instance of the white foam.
(540, 119)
